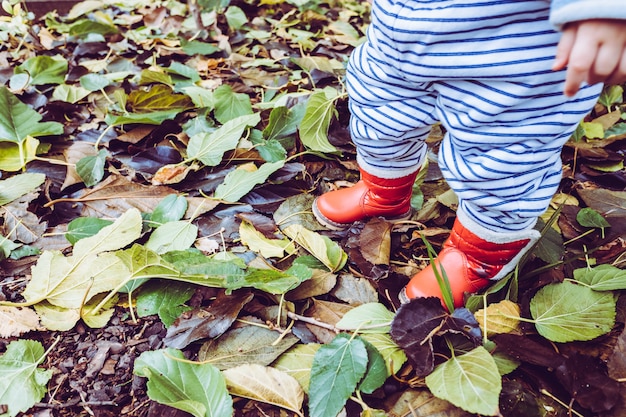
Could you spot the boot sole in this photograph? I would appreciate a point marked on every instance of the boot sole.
(326, 222)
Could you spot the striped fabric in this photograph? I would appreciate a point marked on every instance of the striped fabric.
(482, 69)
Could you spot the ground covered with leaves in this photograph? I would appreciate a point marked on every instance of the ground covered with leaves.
(159, 256)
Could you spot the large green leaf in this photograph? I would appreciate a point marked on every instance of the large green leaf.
(209, 148)
(320, 110)
(470, 381)
(173, 236)
(44, 69)
(16, 186)
(165, 299)
(337, 369)
(22, 383)
(158, 98)
(565, 312)
(199, 389)
(152, 118)
(171, 208)
(602, 277)
(367, 318)
(17, 120)
(243, 179)
(69, 281)
(230, 105)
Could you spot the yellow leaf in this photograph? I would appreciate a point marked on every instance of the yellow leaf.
(268, 248)
(502, 317)
(265, 384)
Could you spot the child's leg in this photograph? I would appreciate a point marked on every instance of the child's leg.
(502, 157)
(390, 120)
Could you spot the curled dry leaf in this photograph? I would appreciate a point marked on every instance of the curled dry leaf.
(16, 321)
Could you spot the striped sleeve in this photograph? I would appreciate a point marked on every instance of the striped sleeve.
(565, 11)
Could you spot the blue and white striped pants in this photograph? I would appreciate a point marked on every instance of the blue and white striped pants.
(482, 69)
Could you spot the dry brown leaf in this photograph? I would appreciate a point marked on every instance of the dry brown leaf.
(375, 241)
(14, 321)
(19, 223)
(116, 195)
(321, 282)
(328, 313)
(355, 291)
(73, 154)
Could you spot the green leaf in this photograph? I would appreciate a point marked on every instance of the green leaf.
(602, 277)
(16, 186)
(152, 118)
(235, 17)
(367, 318)
(320, 110)
(593, 130)
(470, 381)
(198, 47)
(271, 151)
(171, 208)
(324, 249)
(158, 98)
(565, 312)
(91, 168)
(230, 105)
(337, 368)
(94, 82)
(283, 122)
(70, 93)
(172, 236)
(588, 217)
(44, 69)
(376, 373)
(394, 356)
(18, 121)
(611, 95)
(165, 299)
(272, 281)
(85, 27)
(69, 281)
(242, 180)
(82, 227)
(22, 383)
(209, 148)
(15, 156)
(144, 264)
(199, 389)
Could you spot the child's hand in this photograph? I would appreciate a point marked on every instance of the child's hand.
(593, 51)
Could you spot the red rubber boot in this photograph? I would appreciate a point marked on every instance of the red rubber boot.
(369, 197)
(471, 262)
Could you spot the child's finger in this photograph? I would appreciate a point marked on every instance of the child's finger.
(564, 48)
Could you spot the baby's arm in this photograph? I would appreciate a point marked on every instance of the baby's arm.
(593, 51)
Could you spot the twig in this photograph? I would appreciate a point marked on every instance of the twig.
(76, 403)
(313, 321)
